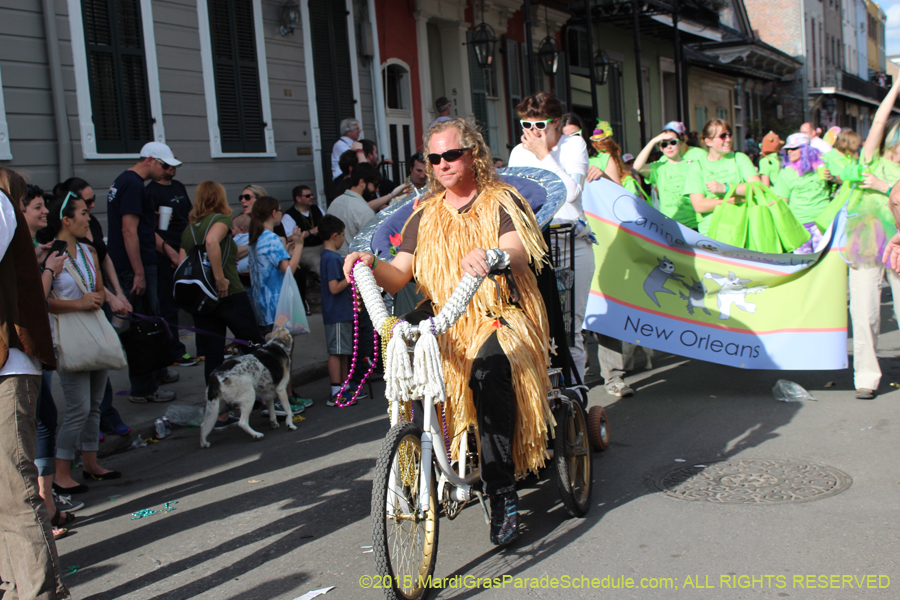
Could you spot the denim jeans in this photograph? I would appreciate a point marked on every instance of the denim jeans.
(235, 313)
(46, 427)
(143, 384)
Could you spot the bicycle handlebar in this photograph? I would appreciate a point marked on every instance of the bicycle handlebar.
(455, 307)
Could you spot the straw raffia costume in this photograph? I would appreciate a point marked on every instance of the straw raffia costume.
(521, 329)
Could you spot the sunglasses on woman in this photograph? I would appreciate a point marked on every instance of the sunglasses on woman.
(725, 136)
(245, 197)
(539, 125)
(449, 156)
(666, 143)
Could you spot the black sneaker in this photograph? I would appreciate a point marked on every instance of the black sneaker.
(504, 518)
(231, 420)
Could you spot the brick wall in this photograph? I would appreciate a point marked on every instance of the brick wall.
(779, 23)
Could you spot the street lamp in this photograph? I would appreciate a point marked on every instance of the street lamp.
(549, 55)
(484, 40)
(290, 18)
(601, 66)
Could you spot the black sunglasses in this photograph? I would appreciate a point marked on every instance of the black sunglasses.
(89, 200)
(725, 136)
(306, 195)
(449, 156)
(245, 197)
(666, 143)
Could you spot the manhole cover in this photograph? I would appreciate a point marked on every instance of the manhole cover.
(754, 481)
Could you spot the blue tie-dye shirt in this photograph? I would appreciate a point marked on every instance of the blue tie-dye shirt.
(267, 278)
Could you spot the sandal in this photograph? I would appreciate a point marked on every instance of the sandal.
(60, 533)
(58, 520)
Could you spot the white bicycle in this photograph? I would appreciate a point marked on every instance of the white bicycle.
(414, 472)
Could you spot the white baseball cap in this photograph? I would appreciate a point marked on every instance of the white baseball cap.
(160, 151)
(795, 140)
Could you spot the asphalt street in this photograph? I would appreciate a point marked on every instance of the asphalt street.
(276, 518)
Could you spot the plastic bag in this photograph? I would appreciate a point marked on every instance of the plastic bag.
(788, 391)
(185, 415)
(290, 312)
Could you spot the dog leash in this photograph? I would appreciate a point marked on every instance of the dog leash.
(169, 326)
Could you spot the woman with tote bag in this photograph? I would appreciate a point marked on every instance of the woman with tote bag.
(270, 265)
(85, 342)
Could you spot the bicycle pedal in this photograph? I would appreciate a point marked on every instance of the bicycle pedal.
(487, 517)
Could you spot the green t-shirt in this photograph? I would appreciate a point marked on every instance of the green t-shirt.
(600, 161)
(732, 169)
(668, 177)
(807, 196)
(227, 246)
(694, 153)
(770, 165)
(836, 162)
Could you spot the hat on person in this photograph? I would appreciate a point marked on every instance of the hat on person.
(626, 158)
(771, 143)
(830, 136)
(441, 103)
(603, 131)
(160, 151)
(675, 127)
(795, 140)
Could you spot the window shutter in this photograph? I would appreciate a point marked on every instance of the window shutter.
(513, 87)
(560, 82)
(238, 98)
(117, 75)
(526, 74)
(479, 89)
(334, 86)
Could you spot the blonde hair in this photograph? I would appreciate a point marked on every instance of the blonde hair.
(257, 190)
(469, 137)
(848, 142)
(209, 198)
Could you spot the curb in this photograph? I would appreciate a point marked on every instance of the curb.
(115, 444)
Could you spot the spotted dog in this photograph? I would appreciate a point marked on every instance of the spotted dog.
(237, 382)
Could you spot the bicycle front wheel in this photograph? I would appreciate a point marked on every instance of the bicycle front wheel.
(404, 542)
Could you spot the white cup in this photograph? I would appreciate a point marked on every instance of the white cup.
(165, 215)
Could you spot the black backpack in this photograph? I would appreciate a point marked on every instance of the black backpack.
(194, 286)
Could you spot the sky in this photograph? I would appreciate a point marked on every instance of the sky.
(892, 33)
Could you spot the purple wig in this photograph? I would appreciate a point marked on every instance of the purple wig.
(810, 160)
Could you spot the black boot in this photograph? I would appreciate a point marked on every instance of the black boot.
(504, 518)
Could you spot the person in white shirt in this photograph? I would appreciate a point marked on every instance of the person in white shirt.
(352, 207)
(545, 147)
(29, 563)
(350, 132)
(815, 141)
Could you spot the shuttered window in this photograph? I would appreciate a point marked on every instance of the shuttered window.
(513, 89)
(334, 83)
(236, 71)
(117, 75)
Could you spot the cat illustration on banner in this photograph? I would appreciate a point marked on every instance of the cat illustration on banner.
(733, 292)
(656, 280)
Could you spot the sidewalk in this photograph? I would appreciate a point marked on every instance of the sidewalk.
(310, 364)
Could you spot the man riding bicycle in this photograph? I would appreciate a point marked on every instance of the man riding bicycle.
(495, 358)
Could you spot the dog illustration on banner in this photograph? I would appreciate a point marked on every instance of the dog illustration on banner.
(656, 280)
(733, 292)
(696, 296)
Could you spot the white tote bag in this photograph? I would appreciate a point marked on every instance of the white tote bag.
(84, 340)
(290, 312)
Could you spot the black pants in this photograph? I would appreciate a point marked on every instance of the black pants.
(168, 310)
(235, 313)
(495, 409)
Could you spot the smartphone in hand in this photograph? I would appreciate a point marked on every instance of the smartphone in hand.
(58, 247)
